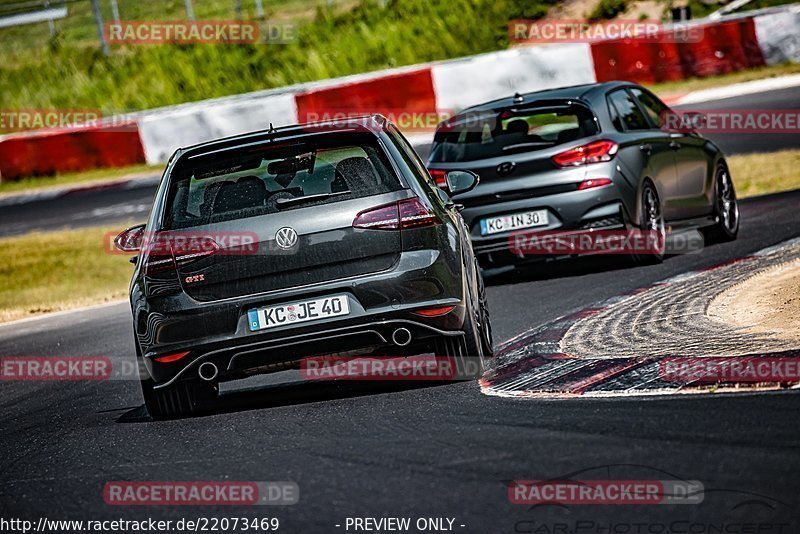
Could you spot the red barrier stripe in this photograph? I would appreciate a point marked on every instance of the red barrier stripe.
(724, 47)
(76, 149)
(405, 92)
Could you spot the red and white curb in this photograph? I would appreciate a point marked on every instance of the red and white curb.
(533, 365)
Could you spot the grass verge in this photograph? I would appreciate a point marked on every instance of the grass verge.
(749, 75)
(372, 35)
(45, 272)
(760, 174)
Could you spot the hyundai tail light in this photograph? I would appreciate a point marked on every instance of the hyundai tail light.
(594, 152)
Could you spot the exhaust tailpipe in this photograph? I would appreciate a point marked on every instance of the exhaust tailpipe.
(208, 371)
(401, 337)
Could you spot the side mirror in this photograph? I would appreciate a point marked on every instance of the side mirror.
(461, 181)
(130, 240)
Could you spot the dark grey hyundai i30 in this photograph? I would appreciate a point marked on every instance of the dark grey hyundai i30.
(267, 248)
(587, 159)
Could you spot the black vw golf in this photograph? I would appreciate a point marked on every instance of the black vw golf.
(319, 239)
(589, 159)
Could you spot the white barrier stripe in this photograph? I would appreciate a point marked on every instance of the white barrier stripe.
(162, 134)
(778, 35)
(473, 80)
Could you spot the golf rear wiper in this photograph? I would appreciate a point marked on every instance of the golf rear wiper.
(286, 202)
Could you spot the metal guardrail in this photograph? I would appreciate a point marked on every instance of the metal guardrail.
(44, 15)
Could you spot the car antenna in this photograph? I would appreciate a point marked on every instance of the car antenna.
(271, 131)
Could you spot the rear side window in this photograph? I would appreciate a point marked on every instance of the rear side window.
(494, 134)
(277, 177)
(625, 114)
(409, 156)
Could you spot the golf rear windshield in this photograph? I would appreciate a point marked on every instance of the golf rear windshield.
(482, 135)
(277, 176)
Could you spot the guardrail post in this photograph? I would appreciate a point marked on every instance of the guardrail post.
(98, 18)
(189, 9)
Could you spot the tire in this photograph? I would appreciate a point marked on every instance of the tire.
(651, 220)
(465, 351)
(485, 321)
(726, 208)
(184, 398)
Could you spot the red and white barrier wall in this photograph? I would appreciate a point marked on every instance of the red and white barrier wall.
(727, 45)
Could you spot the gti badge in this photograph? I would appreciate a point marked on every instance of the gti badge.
(286, 237)
(506, 168)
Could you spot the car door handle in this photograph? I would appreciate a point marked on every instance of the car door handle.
(674, 145)
(646, 148)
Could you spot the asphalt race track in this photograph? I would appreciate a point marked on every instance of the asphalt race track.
(434, 451)
(123, 206)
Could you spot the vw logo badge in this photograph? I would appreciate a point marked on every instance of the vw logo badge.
(504, 169)
(286, 237)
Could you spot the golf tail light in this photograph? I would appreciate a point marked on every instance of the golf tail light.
(594, 152)
(414, 214)
(381, 218)
(593, 182)
(168, 252)
(194, 249)
(405, 214)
